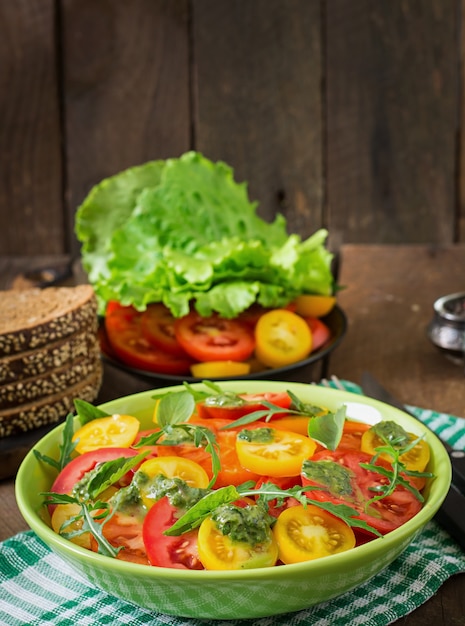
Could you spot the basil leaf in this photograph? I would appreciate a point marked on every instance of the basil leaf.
(88, 412)
(327, 429)
(175, 408)
(202, 509)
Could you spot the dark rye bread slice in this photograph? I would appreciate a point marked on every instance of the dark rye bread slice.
(52, 356)
(52, 382)
(32, 318)
(49, 410)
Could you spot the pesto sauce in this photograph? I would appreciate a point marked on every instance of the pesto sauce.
(257, 435)
(335, 477)
(250, 524)
(225, 399)
(178, 491)
(391, 432)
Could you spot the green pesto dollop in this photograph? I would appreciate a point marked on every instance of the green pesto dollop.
(335, 477)
(225, 399)
(249, 524)
(257, 435)
(179, 493)
(391, 432)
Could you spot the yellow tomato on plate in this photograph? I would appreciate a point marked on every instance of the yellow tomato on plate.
(282, 338)
(314, 305)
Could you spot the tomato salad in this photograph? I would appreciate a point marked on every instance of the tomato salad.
(228, 480)
(205, 347)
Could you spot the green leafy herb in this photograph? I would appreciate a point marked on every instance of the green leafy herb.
(88, 412)
(182, 231)
(66, 447)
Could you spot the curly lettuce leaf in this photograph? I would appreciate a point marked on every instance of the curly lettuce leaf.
(192, 235)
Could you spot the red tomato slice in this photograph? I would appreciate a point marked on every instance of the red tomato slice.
(157, 325)
(162, 550)
(253, 402)
(320, 332)
(384, 515)
(214, 338)
(74, 471)
(232, 472)
(125, 531)
(124, 332)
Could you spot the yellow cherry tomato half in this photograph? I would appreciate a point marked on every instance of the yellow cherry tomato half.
(273, 452)
(114, 431)
(172, 467)
(314, 305)
(219, 369)
(414, 460)
(282, 338)
(220, 552)
(307, 533)
(62, 521)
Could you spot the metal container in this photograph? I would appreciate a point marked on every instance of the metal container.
(447, 328)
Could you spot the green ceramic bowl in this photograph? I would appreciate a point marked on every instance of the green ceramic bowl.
(235, 594)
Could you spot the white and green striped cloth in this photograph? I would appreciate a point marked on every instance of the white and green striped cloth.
(37, 587)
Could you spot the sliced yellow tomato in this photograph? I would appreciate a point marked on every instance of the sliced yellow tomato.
(314, 305)
(282, 338)
(414, 460)
(273, 452)
(220, 552)
(62, 514)
(172, 467)
(114, 431)
(307, 533)
(219, 369)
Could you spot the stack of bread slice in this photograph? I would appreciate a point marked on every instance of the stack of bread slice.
(49, 355)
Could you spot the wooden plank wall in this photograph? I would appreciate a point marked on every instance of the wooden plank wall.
(339, 113)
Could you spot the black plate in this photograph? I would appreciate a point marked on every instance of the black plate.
(336, 321)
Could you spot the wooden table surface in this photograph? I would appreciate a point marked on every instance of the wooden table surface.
(388, 298)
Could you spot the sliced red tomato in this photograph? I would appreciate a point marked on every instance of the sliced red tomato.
(165, 551)
(214, 338)
(74, 471)
(157, 325)
(233, 407)
(231, 472)
(352, 435)
(283, 482)
(321, 333)
(124, 531)
(383, 515)
(124, 333)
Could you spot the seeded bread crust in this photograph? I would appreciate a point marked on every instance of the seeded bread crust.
(37, 362)
(32, 318)
(52, 382)
(48, 410)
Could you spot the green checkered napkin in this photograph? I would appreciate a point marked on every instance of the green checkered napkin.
(37, 587)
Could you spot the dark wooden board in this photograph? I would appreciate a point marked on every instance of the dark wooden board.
(258, 101)
(126, 89)
(31, 216)
(392, 112)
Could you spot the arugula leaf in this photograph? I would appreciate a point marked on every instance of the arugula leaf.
(66, 447)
